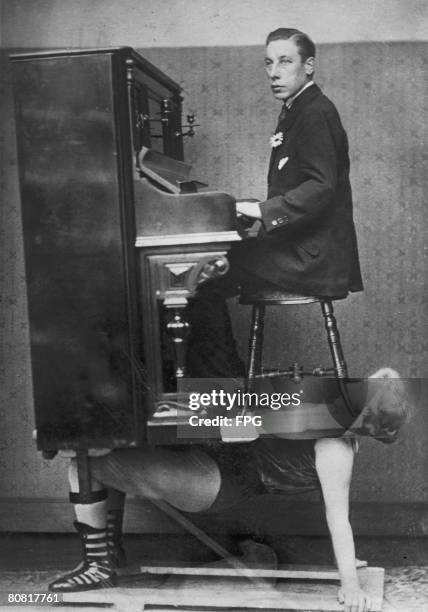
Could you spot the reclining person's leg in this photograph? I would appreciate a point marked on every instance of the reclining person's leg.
(188, 479)
(96, 569)
(191, 479)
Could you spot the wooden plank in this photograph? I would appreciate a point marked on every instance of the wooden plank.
(303, 572)
(207, 594)
(72, 608)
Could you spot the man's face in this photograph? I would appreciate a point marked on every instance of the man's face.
(286, 70)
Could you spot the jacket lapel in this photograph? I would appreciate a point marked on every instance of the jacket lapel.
(284, 126)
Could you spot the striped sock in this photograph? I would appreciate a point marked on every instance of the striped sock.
(95, 571)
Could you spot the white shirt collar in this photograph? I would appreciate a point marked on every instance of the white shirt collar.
(290, 101)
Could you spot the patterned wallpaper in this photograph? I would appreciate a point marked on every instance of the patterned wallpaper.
(378, 89)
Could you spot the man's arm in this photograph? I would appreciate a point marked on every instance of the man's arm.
(316, 156)
(334, 459)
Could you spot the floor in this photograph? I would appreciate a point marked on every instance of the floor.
(29, 562)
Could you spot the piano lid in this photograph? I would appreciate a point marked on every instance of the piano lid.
(166, 172)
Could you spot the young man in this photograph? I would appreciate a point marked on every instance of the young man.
(308, 242)
(307, 245)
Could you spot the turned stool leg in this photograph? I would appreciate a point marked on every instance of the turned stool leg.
(255, 345)
(334, 340)
(337, 353)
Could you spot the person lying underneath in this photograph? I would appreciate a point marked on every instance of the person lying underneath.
(215, 476)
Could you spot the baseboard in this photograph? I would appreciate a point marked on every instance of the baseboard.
(275, 515)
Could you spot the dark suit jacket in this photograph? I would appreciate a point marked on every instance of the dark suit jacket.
(308, 243)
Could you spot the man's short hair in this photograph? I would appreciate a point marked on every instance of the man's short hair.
(304, 44)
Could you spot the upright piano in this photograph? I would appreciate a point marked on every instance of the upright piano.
(116, 233)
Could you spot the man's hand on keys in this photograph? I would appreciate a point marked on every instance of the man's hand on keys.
(249, 208)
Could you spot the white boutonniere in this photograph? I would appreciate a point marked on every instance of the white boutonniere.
(282, 163)
(276, 140)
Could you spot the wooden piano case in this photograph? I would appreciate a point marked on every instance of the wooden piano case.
(82, 117)
(110, 254)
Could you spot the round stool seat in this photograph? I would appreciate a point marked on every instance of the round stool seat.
(271, 297)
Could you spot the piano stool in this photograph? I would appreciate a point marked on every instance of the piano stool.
(259, 299)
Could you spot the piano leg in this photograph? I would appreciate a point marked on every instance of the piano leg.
(84, 476)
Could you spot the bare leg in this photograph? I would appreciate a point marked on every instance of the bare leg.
(96, 569)
(187, 478)
(94, 515)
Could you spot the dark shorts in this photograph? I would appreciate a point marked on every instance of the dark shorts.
(267, 465)
(240, 480)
